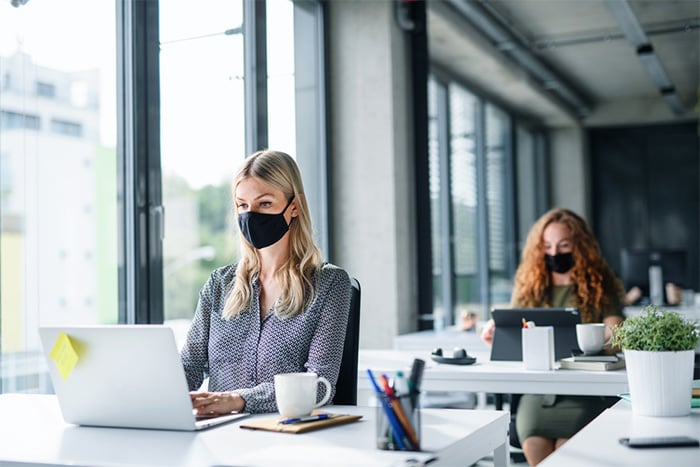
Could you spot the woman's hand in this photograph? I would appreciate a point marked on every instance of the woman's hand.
(487, 332)
(216, 403)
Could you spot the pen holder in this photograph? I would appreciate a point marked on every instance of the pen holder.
(538, 348)
(398, 422)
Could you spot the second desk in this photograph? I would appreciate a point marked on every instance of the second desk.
(488, 376)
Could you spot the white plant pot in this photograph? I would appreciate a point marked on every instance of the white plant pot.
(660, 382)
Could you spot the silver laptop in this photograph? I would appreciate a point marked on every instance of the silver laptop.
(126, 376)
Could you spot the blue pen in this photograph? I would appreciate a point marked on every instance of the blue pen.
(395, 426)
(310, 418)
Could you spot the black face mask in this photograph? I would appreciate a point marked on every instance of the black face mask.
(560, 263)
(262, 230)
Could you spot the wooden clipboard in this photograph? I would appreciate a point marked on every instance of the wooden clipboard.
(270, 424)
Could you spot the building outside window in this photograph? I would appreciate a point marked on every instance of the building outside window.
(59, 200)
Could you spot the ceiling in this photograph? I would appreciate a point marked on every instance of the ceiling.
(593, 73)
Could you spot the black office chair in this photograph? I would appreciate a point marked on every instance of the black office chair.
(514, 401)
(346, 387)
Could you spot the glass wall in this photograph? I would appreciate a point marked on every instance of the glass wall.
(75, 239)
(58, 210)
(499, 205)
(464, 112)
(474, 215)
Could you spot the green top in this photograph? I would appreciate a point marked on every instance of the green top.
(563, 296)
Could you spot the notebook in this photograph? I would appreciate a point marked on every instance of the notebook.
(126, 376)
(507, 337)
(271, 424)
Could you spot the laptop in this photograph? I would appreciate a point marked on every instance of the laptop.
(127, 376)
(507, 337)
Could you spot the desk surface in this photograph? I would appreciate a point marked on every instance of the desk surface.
(447, 339)
(32, 432)
(496, 377)
(597, 444)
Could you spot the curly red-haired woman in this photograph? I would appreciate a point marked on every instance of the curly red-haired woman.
(562, 266)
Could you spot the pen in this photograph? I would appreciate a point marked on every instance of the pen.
(401, 384)
(393, 422)
(400, 413)
(310, 418)
(416, 375)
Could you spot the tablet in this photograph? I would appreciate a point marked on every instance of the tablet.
(507, 337)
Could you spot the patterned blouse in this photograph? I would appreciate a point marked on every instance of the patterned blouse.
(244, 353)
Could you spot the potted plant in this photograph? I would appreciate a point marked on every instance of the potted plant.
(659, 348)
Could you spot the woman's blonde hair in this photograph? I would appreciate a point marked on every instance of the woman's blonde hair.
(296, 276)
(595, 284)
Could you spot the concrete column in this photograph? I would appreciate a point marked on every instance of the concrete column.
(570, 170)
(371, 164)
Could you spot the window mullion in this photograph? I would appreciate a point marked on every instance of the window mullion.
(255, 66)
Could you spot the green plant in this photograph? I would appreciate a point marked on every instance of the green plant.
(657, 331)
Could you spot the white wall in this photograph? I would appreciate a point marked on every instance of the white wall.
(371, 165)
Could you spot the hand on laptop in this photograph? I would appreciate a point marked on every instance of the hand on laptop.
(216, 403)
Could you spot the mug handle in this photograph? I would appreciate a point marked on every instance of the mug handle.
(327, 396)
(612, 333)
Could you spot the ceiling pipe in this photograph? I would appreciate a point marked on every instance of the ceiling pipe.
(517, 47)
(637, 37)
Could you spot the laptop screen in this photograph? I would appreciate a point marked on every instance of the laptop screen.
(507, 337)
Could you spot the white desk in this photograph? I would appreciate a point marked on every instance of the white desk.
(32, 432)
(487, 376)
(447, 339)
(597, 443)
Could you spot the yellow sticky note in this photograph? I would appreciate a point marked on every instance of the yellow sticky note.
(64, 355)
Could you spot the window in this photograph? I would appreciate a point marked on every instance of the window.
(440, 231)
(499, 205)
(45, 90)
(464, 114)
(15, 120)
(62, 127)
(472, 206)
(202, 143)
(59, 221)
(162, 120)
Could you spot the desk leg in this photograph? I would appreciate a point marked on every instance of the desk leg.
(501, 455)
(480, 401)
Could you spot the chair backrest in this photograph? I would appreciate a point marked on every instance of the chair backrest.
(346, 387)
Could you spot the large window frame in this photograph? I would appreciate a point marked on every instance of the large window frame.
(514, 211)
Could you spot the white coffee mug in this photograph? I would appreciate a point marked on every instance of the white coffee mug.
(295, 393)
(591, 337)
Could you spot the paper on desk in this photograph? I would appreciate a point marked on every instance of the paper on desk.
(64, 355)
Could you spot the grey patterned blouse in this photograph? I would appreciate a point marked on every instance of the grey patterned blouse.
(244, 353)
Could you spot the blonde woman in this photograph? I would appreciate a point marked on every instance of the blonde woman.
(280, 309)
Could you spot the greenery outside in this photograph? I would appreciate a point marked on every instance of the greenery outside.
(657, 331)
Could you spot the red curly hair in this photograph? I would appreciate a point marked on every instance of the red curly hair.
(595, 284)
